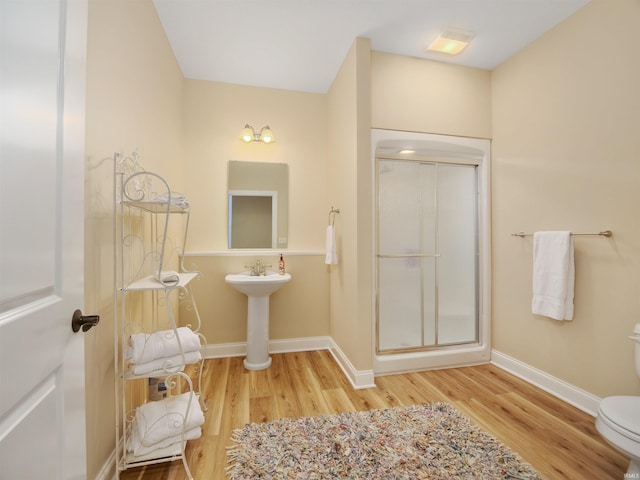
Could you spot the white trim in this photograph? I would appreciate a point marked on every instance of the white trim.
(108, 471)
(222, 350)
(464, 356)
(253, 252)
(299, 344)
(573, 395)
(239, 349)
(359, 379)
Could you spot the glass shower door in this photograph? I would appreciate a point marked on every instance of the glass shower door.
(427, 249)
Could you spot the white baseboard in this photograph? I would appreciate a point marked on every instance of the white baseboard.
(573, 395)
(358, 378)
(108, 471)
(239, 349)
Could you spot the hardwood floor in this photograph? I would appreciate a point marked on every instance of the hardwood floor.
(560, 441)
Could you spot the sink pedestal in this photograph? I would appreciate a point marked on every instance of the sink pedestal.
(257, 289)
(258, 334)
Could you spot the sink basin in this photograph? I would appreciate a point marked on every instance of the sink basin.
(257, 289)
(257, 286)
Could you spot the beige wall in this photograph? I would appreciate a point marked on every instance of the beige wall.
(417, 95)
(134, 101)
(349, 167)
(214, 115)
(298, 309)
(565, 156)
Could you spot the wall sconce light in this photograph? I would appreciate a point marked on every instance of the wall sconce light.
(250, 135)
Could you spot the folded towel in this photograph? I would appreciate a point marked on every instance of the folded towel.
(166, 365)
(168, 277)
(553, 275)
(167, 418)
(331, 257)
(177, 199)
(156, 423)
(144, 347)
(135, 445)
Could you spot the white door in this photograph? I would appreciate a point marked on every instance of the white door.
(42, 90)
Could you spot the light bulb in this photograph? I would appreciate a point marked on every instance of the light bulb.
(266, 135)
(247, 134)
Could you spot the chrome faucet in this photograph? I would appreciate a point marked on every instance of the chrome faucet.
(258, 268)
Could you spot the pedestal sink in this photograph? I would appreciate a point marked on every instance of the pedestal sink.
(257, 288)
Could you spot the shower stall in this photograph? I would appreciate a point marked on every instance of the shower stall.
(432, 251)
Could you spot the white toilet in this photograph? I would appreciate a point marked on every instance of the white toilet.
(618, 419)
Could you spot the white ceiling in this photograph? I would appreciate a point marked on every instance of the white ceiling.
(300, 44)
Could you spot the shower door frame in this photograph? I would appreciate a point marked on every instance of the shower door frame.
(436, 162)
(471, 151)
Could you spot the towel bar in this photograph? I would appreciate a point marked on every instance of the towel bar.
(604, 233)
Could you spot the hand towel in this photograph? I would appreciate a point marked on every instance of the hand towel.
(331, 257)
(144, 347)
(168, 277)
(553, 275)
(155, 423)
(166, 365)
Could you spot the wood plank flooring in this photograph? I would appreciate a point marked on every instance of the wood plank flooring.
(560, 441)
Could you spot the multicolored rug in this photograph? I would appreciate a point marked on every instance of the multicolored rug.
(432, 441)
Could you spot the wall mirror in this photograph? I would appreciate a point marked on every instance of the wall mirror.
(258, 204)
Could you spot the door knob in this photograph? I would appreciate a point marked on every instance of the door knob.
(86, 322)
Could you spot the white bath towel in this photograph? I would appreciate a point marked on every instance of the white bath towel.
(166, 364)
(135, 445)
(553, 275)
(156, 423)
(331, 257)
(145, 347)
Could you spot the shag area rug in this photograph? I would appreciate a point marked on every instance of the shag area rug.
(430, 441)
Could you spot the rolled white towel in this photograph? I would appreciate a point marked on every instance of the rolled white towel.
(145, 347)
(166, 365)
(167, 277)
